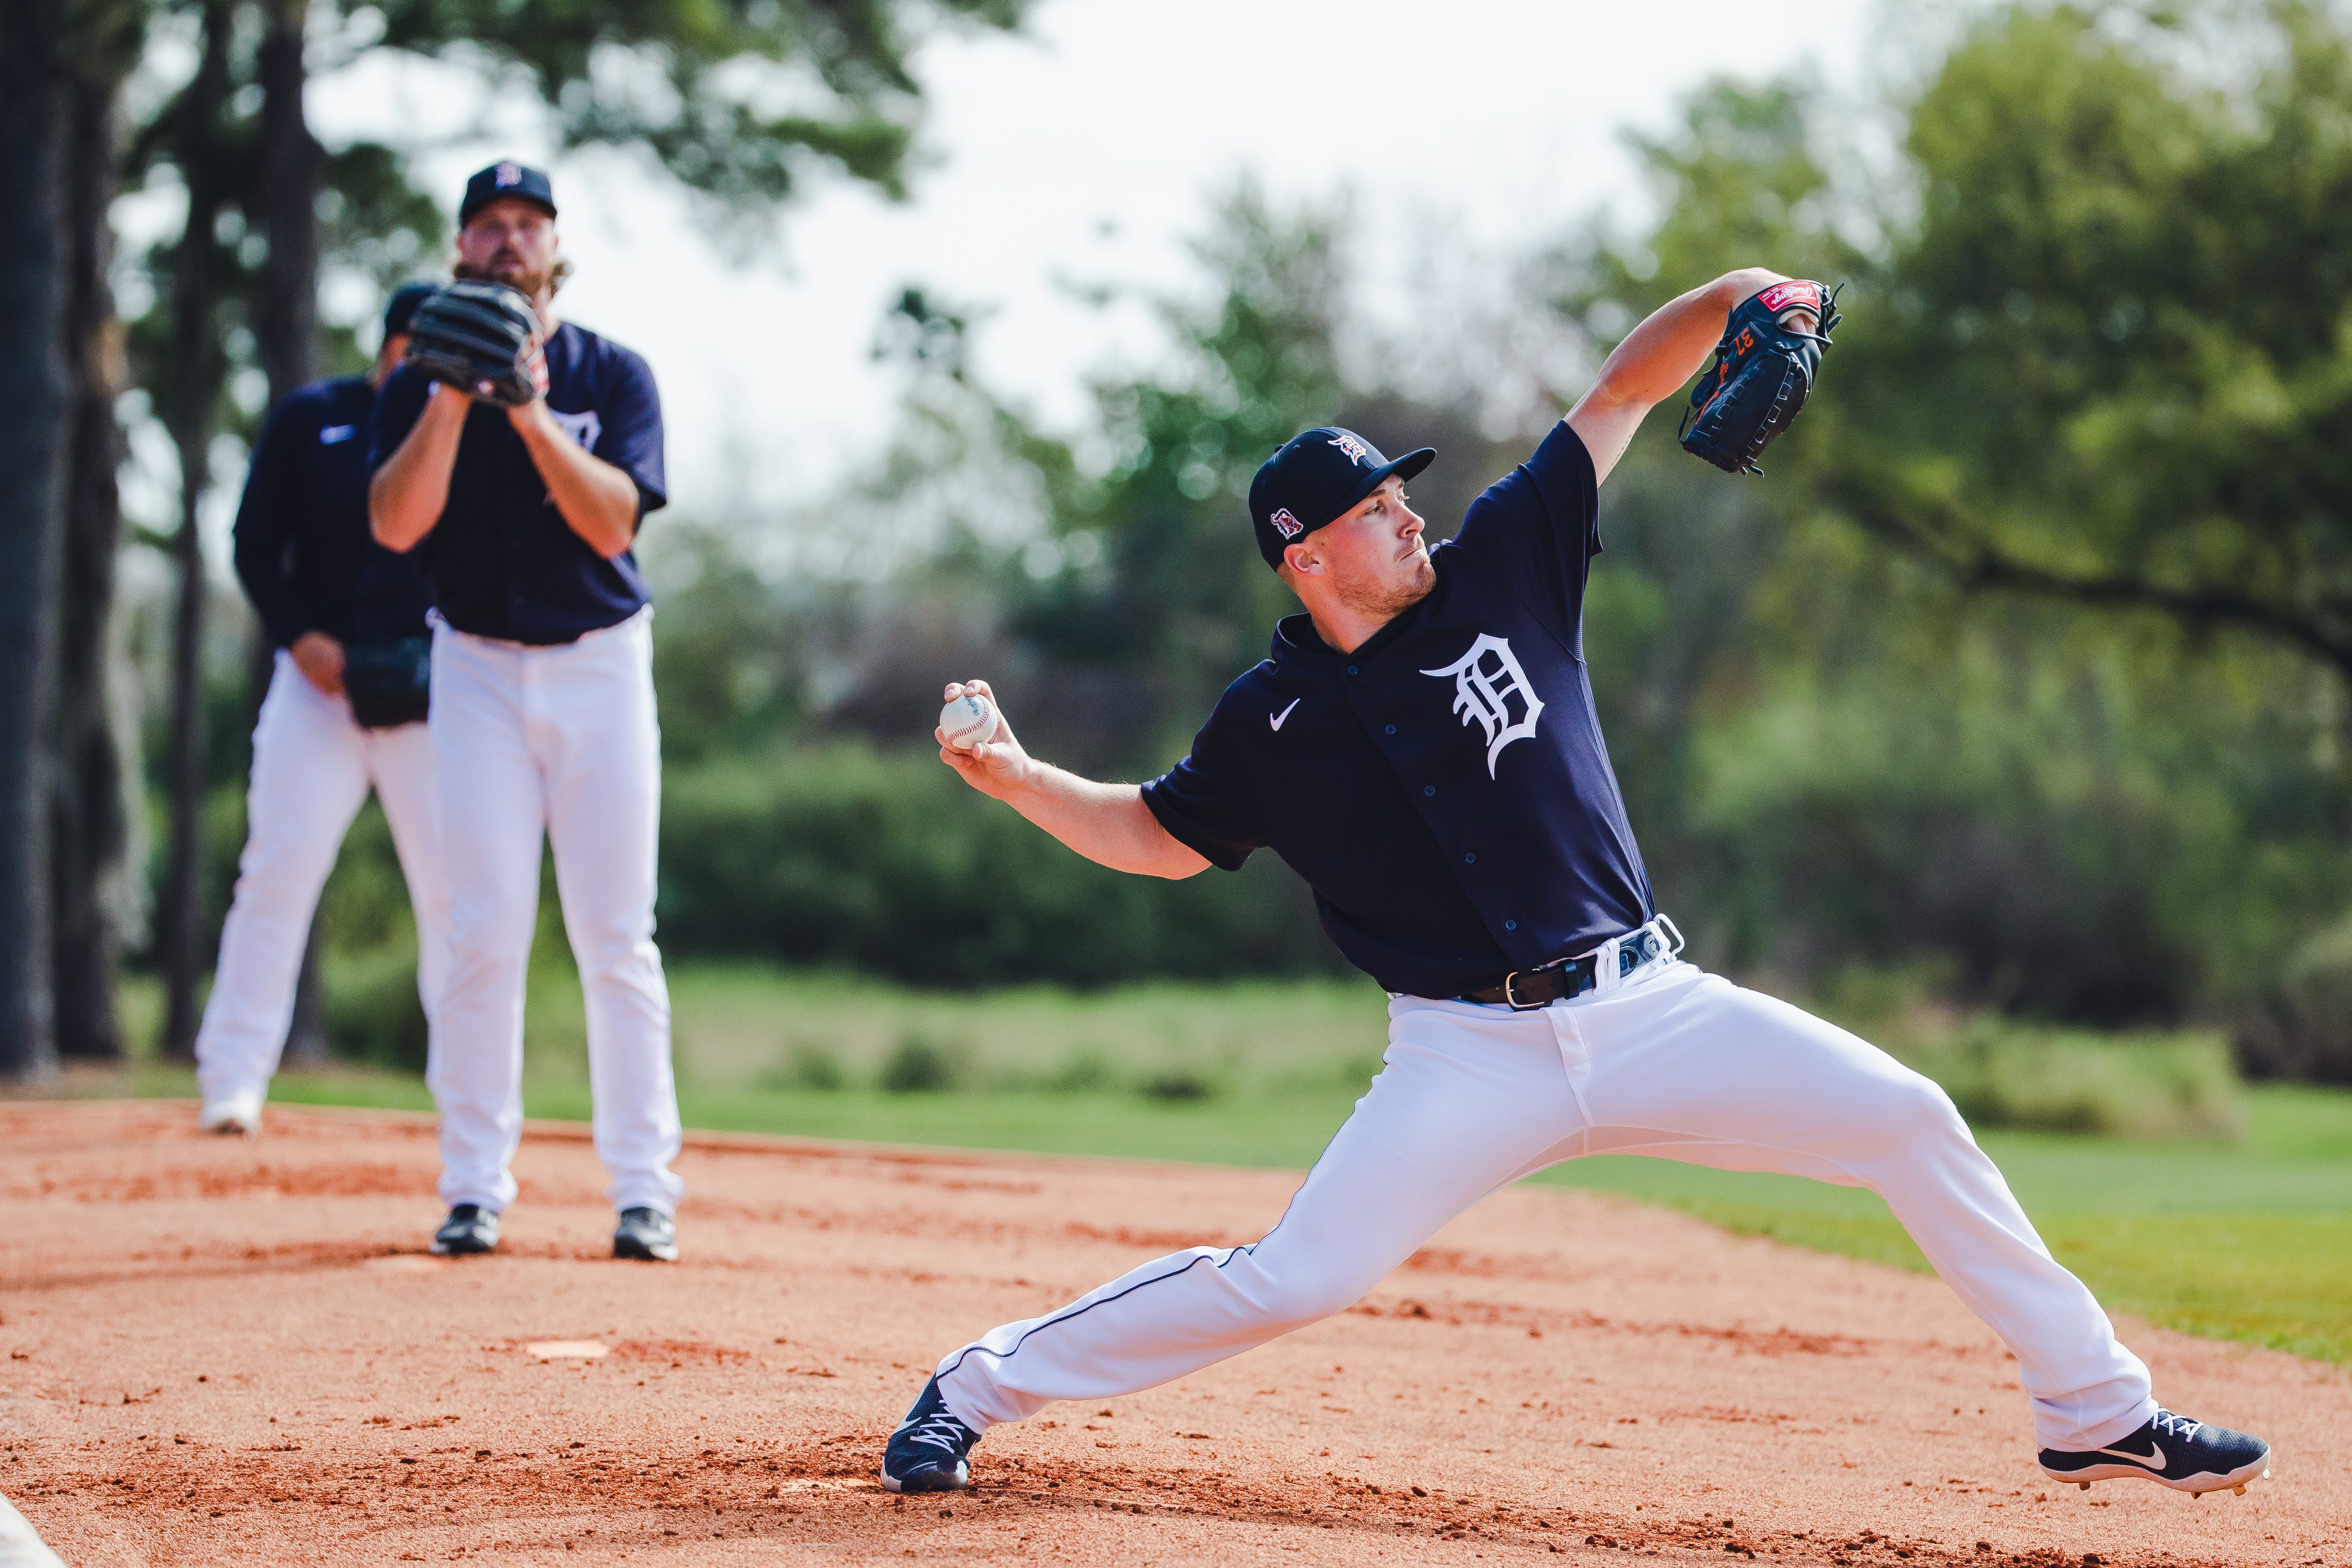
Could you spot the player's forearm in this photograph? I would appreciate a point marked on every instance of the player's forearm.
(1108, 823)
(407, 497)
(1674, 340)
(1668, 348)
(597, 500)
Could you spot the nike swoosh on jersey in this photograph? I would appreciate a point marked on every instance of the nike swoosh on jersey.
(1276, 718)
(2157, 1463)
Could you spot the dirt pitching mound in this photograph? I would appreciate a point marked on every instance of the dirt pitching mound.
(225, 1352)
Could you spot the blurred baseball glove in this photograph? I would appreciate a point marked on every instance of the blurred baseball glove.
(480, 338)
(1762, 375)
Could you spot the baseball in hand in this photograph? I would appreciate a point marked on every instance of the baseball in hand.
(968, 720)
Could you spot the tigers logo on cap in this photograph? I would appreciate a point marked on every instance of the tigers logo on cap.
(507, 174)
(1290, 527)
(1354, 449)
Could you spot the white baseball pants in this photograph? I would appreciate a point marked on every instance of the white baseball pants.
(1670, 1061)
(312, 767)
(562, 741)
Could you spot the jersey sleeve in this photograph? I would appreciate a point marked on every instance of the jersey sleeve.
(630, 412)
(1540, 526)
(1207, 802)
(265, 517)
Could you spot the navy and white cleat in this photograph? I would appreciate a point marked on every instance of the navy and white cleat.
(2172, 1451)
(647, 1235)
(930, 1449)
(470, 1228)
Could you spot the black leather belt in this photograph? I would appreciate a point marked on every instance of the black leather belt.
(1523, 990)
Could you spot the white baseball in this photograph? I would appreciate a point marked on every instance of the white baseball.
(968, 721)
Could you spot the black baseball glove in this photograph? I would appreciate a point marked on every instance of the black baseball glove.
(480, 338)
(1763, 373)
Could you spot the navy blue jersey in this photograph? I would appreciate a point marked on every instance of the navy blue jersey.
(303, 550)
(502, 562)
(1443, 788)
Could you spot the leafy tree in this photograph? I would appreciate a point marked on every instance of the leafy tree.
(2113, 359)
(34, 383)
(1841, 754)
(736, 100)
(269, 208)
(94, 890)
(1169, 589)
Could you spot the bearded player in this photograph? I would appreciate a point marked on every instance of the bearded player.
(1422, 748)
(516, 454)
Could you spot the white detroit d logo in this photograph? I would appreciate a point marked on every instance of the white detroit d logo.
(1486, 679)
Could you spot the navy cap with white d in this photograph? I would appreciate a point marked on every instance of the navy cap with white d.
(1316, 479)
(501, 180)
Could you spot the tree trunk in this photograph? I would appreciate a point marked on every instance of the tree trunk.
(89, 827)
(286, 329)
(34, 390)
(286, 204)
(193, 387)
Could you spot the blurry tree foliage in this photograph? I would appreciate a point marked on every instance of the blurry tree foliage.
(2111, 361)
(737, 102)
(1842, 759)
(735, 99)
(2061, 333)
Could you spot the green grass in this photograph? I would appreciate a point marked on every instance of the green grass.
(2248, 1241)
(2246, 1237)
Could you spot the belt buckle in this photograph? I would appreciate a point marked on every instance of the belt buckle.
(1511, 1000)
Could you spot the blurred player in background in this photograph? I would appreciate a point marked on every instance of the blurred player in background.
(519, 484)
(345, 713)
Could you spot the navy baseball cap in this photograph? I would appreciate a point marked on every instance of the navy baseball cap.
(1316, 479)
(402, 306)
(501, 180)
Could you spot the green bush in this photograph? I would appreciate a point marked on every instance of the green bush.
(1084, 1071)
(889, 864)
(1177, 1083)
(918, 1065)
(808, 1066)
(2001, 1073)
(2299, 1024)
(372, 1007)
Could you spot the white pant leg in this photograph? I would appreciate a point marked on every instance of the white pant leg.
(1465, 1103)
(602, 755)
(1690, 1067)
(490, 815)
(400, 765)
(309, 779)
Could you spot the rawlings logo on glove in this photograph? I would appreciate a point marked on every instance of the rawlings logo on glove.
(1763, 373)
(483, 339)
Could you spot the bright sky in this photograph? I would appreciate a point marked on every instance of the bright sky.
(1081, 151)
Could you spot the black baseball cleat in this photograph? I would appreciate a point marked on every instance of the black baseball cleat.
(647, 1235)
(2173, 1452)
(929, 1450)
(470, 1228)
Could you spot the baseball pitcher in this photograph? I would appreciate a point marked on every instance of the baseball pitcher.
(516, 454)
(344, 714)
(1421, 747)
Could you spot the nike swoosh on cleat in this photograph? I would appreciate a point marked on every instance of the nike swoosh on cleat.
(2157, 1464)
(1276, 718)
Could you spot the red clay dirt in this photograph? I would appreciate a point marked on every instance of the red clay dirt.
(231, 1351)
